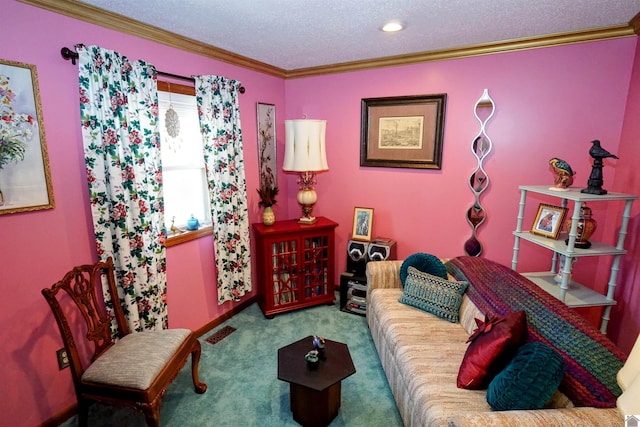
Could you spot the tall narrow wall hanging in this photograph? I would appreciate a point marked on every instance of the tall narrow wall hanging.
(479, 180)
(267, 145)
(25, 180)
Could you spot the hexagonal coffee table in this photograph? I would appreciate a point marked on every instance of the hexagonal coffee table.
(314, 393)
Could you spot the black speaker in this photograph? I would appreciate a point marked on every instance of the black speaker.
(357, 257)
(381, 250)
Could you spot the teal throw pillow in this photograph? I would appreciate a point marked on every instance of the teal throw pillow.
(433, 294)
(529, 380)
(426, 263)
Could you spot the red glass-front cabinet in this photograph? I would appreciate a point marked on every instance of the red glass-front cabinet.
(295, 265)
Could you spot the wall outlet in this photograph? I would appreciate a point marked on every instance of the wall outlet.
(63, 359)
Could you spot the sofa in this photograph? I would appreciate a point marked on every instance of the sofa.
(421, 353)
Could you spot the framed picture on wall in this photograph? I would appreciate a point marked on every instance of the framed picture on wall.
(267, 145)
(25, 178)
(548, 221)
(402, 131)
(362, 224)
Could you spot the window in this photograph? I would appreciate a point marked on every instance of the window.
(183, 169)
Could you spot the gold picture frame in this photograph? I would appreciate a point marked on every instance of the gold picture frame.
(548, 220)
(362, 224)
(403, 131)
(25, 178)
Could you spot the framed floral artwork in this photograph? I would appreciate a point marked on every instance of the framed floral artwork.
(25, 178)
(267, 145)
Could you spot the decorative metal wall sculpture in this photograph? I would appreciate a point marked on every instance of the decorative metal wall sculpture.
(479, 180)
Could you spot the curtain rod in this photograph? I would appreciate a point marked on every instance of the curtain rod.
(68, 54)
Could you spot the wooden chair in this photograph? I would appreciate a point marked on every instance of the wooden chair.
(133, 370)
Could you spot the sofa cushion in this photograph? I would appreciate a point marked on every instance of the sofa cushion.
(592, 360)
(630, 371)
(629, 401)
(492, 346)
(426, 263)
(529, 380)
(433, 294)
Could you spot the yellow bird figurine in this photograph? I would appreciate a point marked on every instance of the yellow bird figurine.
(562, 172)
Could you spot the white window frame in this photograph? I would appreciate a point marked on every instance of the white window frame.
(179, 95)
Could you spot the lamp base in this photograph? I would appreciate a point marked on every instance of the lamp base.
(308, 220)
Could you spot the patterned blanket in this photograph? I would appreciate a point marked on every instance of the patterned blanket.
(591, 359)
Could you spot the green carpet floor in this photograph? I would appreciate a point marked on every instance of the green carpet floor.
(241, 373)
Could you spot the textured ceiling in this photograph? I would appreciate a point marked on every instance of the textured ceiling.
(295, 34)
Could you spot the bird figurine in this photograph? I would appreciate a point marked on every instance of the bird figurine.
(594, 184)
(597, 152)
(563, 174)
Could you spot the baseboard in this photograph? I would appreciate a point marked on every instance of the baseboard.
(226, 316)
(61, 417)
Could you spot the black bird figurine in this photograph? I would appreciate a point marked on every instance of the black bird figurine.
(597, 152)
(594, 185)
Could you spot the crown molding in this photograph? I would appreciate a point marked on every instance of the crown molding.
(464, 52)
(94, 15)
(104, 18)
(635, 23)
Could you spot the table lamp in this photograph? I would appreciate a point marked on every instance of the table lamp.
(305, 153)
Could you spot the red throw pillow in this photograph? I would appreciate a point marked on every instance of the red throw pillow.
(493, 345)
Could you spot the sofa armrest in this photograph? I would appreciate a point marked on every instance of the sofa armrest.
(383, 274)
(566, 417)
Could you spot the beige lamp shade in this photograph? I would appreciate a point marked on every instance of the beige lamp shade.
(305, 146)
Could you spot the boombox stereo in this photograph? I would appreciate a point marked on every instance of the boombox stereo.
(357, 257)
(381, 250)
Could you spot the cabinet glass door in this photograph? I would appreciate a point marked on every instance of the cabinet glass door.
(315, 267)
(284, 270)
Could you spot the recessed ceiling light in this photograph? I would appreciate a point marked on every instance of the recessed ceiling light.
(392, 27)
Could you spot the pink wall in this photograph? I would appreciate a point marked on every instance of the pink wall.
(37, 248)
(625, 318)
(550, 102)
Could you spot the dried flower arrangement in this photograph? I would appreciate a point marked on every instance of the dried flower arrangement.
(268, 196)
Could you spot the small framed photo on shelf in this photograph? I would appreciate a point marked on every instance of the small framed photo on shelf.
(548, 221)
(362, 224)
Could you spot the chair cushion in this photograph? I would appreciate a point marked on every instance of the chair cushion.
(492, 346)
(137, 359)
(529, 380)
(426, 263)
(433, 294)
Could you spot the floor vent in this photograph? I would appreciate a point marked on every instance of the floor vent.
(218, 336)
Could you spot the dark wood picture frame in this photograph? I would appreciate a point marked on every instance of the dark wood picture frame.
(548, 220)
(403, 131)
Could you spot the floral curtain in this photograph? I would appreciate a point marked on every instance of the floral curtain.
(218, 108)
(119, 113)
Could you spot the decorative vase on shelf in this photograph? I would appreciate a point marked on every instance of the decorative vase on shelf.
(586, 227)
(563, 261)
(268, 217)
